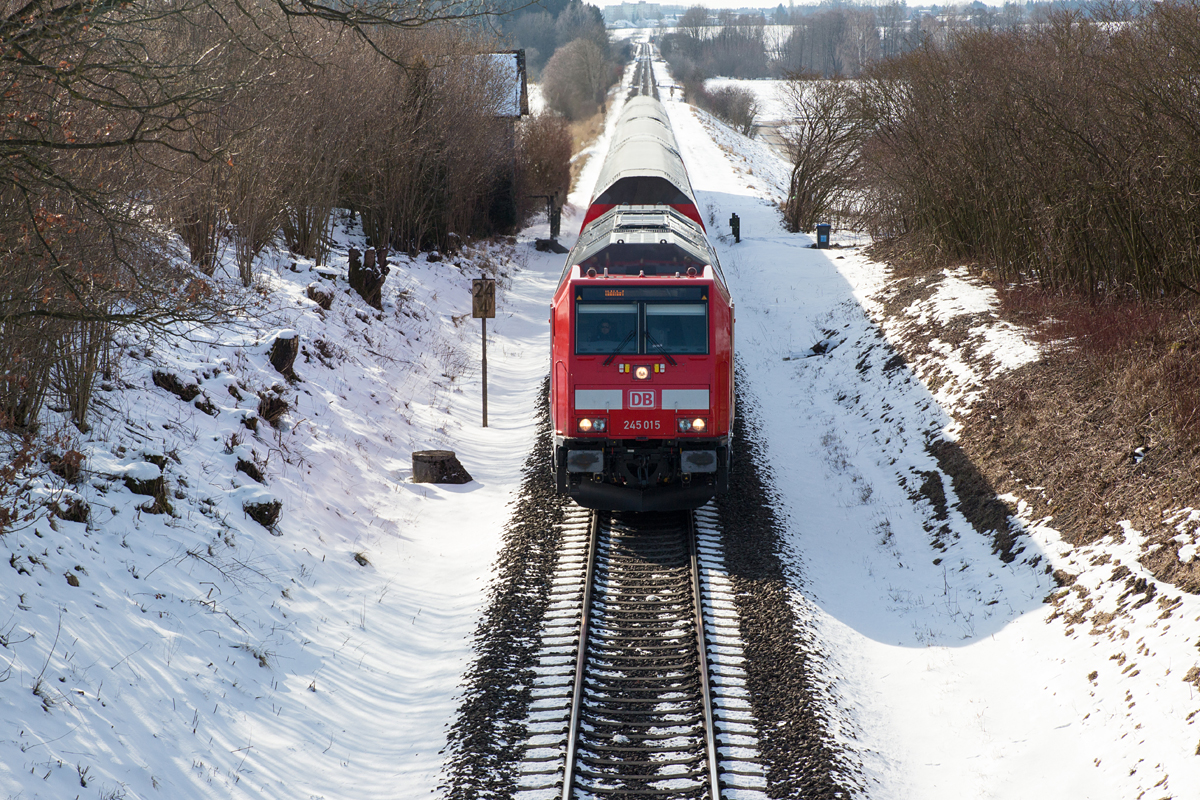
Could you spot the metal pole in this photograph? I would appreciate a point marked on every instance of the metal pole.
(484, 320)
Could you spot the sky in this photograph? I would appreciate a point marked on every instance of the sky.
(198, 654)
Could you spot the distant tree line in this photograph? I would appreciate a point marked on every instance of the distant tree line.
(832, 39)
(124, 125)
(1066, 152)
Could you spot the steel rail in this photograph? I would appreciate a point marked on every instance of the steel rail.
(710, 728)
(581, 659)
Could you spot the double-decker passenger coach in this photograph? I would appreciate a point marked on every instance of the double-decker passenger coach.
(642, 348)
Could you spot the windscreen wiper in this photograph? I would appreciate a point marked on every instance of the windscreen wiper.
(624, 342)
(654, 342)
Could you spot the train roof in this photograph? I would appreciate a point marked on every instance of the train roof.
(643, 146)
(643, 240)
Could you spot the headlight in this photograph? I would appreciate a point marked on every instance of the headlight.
(696, 425)
(593, 425)
(641, 373)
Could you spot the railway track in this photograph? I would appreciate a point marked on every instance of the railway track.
(640, 690)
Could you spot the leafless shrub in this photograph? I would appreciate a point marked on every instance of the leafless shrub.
(736, 105)
(255, 206)
(319, 139)
(26, 362)
(195, 213)
(576, 78)
(453, 358)
(543, 161)
(824, 139)
(85, 351)
(1066, 153)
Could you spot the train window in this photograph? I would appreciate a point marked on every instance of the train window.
(606, 328)
(676, 328)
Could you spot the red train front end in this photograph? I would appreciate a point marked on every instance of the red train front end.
(642, 381)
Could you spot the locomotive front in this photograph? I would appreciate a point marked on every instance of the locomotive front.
(642, 388)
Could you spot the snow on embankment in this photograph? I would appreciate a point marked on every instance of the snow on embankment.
(169, 645)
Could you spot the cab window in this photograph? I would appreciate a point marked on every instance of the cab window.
(676, 328)
(606, 328)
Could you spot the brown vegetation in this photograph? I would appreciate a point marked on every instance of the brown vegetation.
(544, 146)
(1062, 161)
(823, 144)
(1067, 154)
(223, 122)
(576, 79)
(1103, 428)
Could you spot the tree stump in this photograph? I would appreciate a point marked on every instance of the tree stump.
(283, 354)
(319, 296)
(438, 466)
(367, 280)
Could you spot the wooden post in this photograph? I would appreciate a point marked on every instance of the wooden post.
(484, 321)
(483, 307)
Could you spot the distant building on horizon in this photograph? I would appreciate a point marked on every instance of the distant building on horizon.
(640, 11)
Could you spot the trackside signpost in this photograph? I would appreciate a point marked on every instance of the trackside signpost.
(483, 308)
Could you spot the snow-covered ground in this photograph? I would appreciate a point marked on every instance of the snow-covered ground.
(199, 655)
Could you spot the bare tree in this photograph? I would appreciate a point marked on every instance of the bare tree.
(693, 26)
(824, 135)
(694, 23)
(576, 79)
(859, 45)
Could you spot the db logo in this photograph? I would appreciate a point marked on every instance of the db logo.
(640, 400)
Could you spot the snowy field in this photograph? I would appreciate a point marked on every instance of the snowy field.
(198, 655)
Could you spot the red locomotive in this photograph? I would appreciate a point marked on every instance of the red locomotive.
(641, 392)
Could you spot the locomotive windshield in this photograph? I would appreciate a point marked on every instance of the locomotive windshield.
(676, 328)
(645, 321)
(606, 328)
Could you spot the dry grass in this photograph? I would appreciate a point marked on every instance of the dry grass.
(1145, 356)
(584, 133)
(1104, 428)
